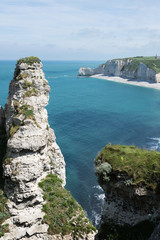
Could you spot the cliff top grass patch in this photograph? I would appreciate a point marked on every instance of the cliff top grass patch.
(29, 60)
(63, 214)
(150, 62)
(140, 165)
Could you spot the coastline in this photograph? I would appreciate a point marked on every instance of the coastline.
(127, 81)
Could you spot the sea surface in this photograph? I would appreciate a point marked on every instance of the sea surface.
(86, 114)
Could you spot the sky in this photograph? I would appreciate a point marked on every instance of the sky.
(79, 29)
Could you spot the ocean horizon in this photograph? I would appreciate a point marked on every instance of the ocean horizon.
(88, 113)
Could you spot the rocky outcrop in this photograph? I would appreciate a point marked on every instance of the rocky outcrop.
(126, 68)
(143, 72)
(32, 153)
(90, 71)
(156, 234)
(1, 118)
(130, 187)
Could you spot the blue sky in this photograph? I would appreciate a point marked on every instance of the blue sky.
(79, 29)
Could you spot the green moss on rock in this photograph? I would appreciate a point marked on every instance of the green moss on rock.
(150, 62)
(3, 145)
(27, 111)
(13, 129)
(4, 214)
(140, 165)
(27, 84)
(63, 214)
(31, 92)
(8, 160)
(22, 76)
(29, 60)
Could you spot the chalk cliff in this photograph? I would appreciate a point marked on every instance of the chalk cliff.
(32, 153)
(132, 68)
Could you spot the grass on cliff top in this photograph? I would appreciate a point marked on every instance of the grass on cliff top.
(141, 165)
(63, 214)
(29, 60)
(150, 62)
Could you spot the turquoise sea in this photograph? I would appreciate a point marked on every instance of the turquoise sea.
(86, 114)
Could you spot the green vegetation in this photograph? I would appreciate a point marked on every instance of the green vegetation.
(3, 144)
(27, 84)
(22, 76)
(150, 62)
(31, 92)
(13, 130)
(103, 170)
(29, 60)
(141, 166)
(27, 111)
(63, 214)
(141, 231)
(8, 160)
(16, 104)
(132, 66)
(4, 214)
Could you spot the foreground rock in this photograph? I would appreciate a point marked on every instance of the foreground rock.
(141, 68)
(32, 152)
(130, 178)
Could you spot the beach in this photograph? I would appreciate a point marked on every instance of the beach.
(128, 81)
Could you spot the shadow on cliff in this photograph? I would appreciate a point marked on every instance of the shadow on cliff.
(3, 145)
(141, 231)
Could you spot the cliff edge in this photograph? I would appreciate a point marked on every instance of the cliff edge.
(130, 178)
(34, 167)
(141, 68)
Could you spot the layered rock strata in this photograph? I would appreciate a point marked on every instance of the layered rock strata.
(32, 152)
(33, 159)
(124, 68)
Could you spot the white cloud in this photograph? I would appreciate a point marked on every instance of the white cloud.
(87, 28)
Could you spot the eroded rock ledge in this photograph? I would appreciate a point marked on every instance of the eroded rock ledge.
(32, 153)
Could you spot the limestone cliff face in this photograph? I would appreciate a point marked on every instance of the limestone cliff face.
(123, 68)
(113, 67)
(91, 71)
(32, 152)
(32, 158)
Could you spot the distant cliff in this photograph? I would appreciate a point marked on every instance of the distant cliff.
(141, 68)
(33, 166)
(130, 178)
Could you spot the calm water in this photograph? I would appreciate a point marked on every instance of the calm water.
(86, 114)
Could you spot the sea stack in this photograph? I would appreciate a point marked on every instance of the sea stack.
(31, 154)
